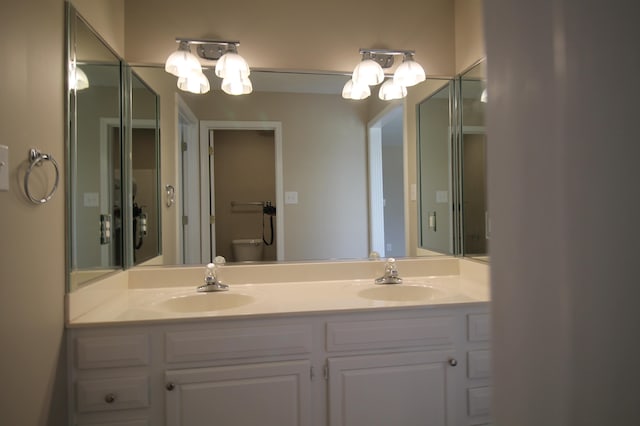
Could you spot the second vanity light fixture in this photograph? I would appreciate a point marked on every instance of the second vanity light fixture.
(230, 66)
(370, 72)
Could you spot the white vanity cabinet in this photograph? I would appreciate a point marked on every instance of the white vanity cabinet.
(273, 393)
(411, 366)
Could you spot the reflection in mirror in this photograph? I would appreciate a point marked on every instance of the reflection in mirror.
(314, 170)
(435, 173)
(144, 187)
(94, 150)
(473, 98)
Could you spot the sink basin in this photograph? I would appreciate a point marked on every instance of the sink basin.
(399, 293)
(202, 302)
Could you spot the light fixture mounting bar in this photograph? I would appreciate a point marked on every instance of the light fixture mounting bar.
(395, 52)
(384, 57)
(206, 41)
(211, 50)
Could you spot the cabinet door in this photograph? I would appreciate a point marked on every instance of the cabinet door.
(266, 394)
(403, 389)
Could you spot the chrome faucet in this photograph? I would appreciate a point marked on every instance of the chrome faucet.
(211, 281)
(390, 273)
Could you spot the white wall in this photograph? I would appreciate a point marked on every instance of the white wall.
(563, 188)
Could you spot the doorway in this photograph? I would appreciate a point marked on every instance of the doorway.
(241, 174)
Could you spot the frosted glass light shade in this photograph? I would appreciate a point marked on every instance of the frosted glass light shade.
(182, 62)
(390, 90)
(483, 96)
(368, 72)
(231, 64)
(237, 86)
(409, 73)
(353, 90)
(78, 80)
(194, 82)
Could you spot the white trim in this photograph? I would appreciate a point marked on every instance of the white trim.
(276, 126)
(184, 114)
(376, 195)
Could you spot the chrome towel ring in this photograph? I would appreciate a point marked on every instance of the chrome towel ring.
(36, 158)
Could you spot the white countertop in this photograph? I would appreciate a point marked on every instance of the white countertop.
(167, 303)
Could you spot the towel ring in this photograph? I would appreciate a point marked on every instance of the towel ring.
(36, 158)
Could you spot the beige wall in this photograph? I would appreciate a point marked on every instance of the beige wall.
(289, 34)
(469, 37)
(32, 264)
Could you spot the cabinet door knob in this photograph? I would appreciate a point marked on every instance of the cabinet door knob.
(170, 386)
(110, 398)
(453, 362)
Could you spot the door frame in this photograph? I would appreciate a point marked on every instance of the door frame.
(186, 202)
(206, 164)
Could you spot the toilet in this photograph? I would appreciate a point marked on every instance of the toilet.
(247, 250)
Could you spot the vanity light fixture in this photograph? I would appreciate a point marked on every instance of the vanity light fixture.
(409, 72)
(78, 79)
(182, 62)
(356, 91)
(230, 66)
(370, 72)
(391, 90)
(483, 96)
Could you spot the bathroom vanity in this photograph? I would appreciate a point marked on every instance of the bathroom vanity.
(293, 352)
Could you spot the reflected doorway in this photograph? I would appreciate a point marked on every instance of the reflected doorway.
(243, 181)
(241, 188)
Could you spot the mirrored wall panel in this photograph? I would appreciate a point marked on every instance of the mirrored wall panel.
(436, 171)
(95, 151)
(473, 99)
(145, 171)
(113, 159)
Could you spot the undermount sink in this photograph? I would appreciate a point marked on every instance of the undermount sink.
(202, 302)
(399, 293)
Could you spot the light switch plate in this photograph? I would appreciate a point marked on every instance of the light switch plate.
(291, 197)
(91, 199)
(4, 168)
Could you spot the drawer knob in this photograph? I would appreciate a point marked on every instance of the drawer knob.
(453, 362)
(110, 398)
(170, 386)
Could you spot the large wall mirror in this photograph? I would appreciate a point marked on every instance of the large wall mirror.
(112, 148)
(292, 167)
(453, 215)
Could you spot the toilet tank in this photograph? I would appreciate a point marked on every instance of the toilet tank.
(247, 250)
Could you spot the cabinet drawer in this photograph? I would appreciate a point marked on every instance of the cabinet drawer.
(112, 394)
(479, 363)
(202, 345)
(355, 335)
(112, 351)
(479, 327)
(479, 401)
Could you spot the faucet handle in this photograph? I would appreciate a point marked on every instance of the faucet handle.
(391, 268)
